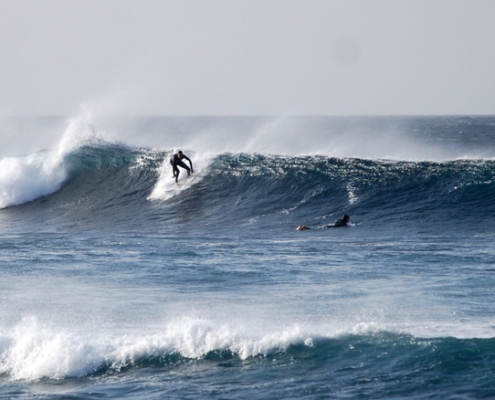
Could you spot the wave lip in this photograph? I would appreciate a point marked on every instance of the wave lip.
(26, 178)
(33, 351)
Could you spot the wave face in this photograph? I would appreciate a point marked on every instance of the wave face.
(269, 171)
(120, 184)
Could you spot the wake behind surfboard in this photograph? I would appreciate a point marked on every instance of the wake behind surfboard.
(166, 188)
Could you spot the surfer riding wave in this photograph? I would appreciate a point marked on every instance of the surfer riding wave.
(176, 161)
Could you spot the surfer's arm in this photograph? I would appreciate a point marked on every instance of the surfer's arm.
(190, 162)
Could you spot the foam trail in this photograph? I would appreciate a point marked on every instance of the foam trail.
(26, 178)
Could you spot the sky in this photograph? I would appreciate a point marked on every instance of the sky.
(250, 57)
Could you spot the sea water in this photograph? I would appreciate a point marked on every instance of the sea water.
(116, 284)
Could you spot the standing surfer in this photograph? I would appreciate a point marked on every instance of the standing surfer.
(176, 161)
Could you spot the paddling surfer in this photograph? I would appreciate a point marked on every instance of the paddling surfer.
(340, 222)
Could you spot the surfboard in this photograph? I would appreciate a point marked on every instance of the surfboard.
(166, 187)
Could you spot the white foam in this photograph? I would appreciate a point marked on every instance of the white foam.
(32, 350)
(165, 187)
(35, 351)
(25, 178)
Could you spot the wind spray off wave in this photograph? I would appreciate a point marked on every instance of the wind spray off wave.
(27, 177)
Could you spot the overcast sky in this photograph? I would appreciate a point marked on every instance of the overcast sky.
(251, 57)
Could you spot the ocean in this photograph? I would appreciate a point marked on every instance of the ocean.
(117, 284)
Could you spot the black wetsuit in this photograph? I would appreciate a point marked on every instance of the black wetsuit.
(176, 162)
(340, 222)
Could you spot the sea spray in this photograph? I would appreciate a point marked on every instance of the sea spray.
(33, 350)
(27, 177)
(165, 187)
(36, 351)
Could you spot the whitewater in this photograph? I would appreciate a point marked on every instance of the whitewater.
(116, 283)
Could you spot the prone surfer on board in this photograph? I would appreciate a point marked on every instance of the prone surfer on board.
(340, 222)
(176, 161)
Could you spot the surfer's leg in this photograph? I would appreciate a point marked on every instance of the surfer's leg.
(176, 173)
(181, 163)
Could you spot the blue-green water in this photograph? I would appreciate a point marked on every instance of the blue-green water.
(116, 284)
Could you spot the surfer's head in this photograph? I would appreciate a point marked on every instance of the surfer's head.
(180, 154)
(346, 218)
